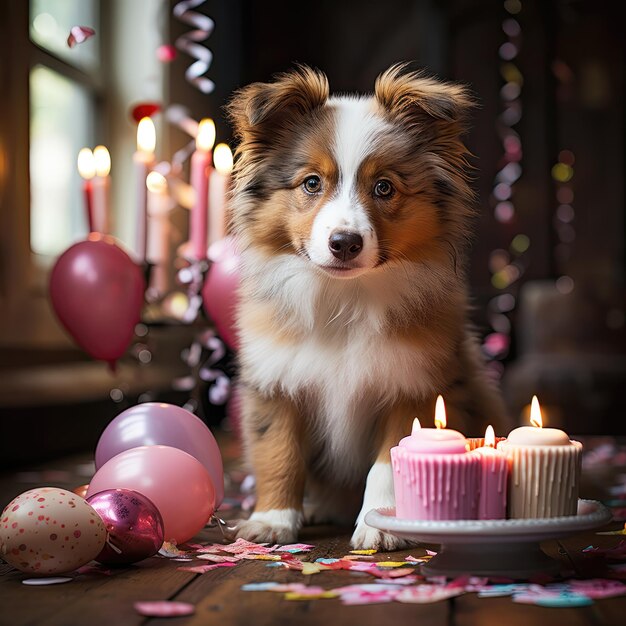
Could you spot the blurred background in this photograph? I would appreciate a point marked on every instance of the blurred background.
(547, 265)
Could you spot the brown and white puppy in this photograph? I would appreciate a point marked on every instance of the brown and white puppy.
(352, 215)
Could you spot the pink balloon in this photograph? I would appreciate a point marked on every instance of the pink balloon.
(178, 485)
(97, 292)
(219, 293)
(154, 423)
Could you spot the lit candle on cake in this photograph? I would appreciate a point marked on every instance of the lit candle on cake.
(199, 179)
(545, 469)
(101, 190)
(219, 188)
(494, 468)
(87, 170)
(143, 160)
(434, 476)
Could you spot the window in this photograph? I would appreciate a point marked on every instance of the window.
(63, 107)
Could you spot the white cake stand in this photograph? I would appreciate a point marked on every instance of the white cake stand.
(503, 548)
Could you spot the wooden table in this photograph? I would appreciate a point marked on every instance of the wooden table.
(94, 599)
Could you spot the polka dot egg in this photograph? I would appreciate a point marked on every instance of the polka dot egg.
(50, 531)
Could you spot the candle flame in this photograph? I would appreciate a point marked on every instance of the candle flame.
(86, 164)
(416, 426)
(535, 413)
(103, 160)
(440, 413)
(206, 134)
(223, 158)
(146, 135)
(156, 182)
(490, 437)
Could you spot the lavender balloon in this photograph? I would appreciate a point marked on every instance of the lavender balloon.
(154, 423)
(133, 523)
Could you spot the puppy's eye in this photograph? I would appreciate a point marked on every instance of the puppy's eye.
(383, 188)
(312, 184)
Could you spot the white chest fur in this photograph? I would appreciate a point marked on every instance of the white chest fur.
(345, 361)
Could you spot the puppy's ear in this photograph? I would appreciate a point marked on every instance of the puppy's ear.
(411, 96)
(259, 108)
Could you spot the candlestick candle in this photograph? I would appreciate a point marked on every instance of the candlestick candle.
(143, 160)
(545, 470)
(494, 468)
(101, 190)
(199, 179)
(87, 170)
(158, 251)
(434, 476)
(219, 188)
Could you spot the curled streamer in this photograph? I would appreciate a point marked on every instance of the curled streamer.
(189, 43)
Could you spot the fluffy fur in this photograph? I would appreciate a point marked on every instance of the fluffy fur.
(345, 341)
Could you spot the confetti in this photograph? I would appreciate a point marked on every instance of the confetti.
(217, 558)
(427, 594)
(170, 550)
(598, 588)
(364, 552)
(164, 608)
(561, 600)
(203, 569)
(57, 580)
(295, 548)
(79, 34)
(392, 563)
(313, 593)
(312, 568)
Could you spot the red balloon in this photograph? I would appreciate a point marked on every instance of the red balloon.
(219, 293)
(97, 292)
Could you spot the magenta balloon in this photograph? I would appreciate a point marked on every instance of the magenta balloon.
(178, 485)
(156, 423)
(97, 292)
(134, 526)
(219, 292)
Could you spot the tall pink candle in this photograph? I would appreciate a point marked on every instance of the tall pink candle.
(143, 160)
(101, 191)
(199, 179)
(435, 478)
(493, 479)
(87, 170)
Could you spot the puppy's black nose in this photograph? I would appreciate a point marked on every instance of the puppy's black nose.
(345, 245)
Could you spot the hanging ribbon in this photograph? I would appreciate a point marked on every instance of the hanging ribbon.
(189, 43)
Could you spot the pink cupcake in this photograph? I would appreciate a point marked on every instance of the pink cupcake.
(435, 478)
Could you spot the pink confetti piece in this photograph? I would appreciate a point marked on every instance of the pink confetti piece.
(56, 580)
(598, 588)
(95, 569)
(164, 608)
(394, 573)
(295, 548)
(427, 594)
(217, 558)
(79, 34)
(406, 580)
(203, 569)
(366, 597)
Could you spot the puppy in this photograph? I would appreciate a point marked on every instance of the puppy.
(352, 215)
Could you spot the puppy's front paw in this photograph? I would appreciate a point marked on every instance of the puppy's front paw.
(275, 526)
(367, 538)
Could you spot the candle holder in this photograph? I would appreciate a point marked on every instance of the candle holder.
(497, 548)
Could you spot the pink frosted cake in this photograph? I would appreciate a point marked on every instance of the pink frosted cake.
(435, 478)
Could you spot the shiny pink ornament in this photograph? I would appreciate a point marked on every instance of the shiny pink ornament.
(158, 423)
(97, 292)
(219, 293)
(133, 523)
(176, 482)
